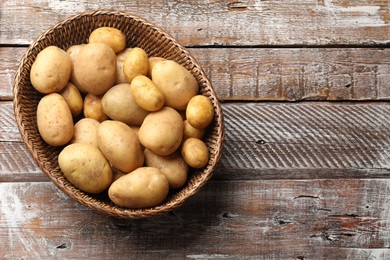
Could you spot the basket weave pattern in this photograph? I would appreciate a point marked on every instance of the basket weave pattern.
(140, 33)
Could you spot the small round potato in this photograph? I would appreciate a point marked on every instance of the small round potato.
(190, 131)
(95, 68)
(93, 107)
(152, 62)
(136, 63)
(162, 131)
(120, 59)
(73, 51)
(200, 112)
(120, 145)
(142, 188)
(119, 104)
(113, 37)
(146, 94)
(73, 98)
(51, 70)
(173, 166)
(54, 120)
(195, 153)
(85, 132)
(176, 82)
(85, 167)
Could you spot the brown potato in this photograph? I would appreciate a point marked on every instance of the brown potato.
(190, 131)
(93, 107)
(142, 188)
(85, 132)
(73, 51)
(152, 62)
(54, 120)
(195, 153)
(146, 94)
(120, 59)
(113, 37)
(95, 68)
(73, 98)
(199, 112)
(50, 72)
(136, 63)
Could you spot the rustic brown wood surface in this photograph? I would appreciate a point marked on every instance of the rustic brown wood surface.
(297, 180)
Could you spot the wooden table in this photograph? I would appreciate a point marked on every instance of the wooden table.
(304, 174)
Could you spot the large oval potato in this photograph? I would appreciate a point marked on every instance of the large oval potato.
(199, 112)
(136, 63)
(176, 82)
(162, 131)
(73, 98)
(173, 166)
(54, 120)
(119, 104)
(142, 188)
(95, 68)
(146, 94)
(195, 153)
(113, 37)
(85, 132)
(120, 59)
(85, 167)
(93, 107)
(120, 145)
(51, 70)
(73, 51)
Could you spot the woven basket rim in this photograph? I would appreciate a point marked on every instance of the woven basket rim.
(82, 197)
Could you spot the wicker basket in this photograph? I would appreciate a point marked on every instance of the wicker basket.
(156, 42)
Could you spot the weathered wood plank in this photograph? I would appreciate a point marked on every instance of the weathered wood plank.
(229, 220)
(273, 74)
(252, 22)
(267, 141)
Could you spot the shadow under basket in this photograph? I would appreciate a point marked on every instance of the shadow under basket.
(139, 33)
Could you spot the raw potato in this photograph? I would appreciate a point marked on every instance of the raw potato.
(73, 98)
(85, 167)
(113, 37)
(120, 59)
(136, 63)
(152, 62)
(142, 188)
(95, 68)
(162, 131)
(85, 132)
(54, 120)
(146, 94)
(51, 70)
(190, 131)
(73, 51)
(199, 112)
(93, 107)
(173, 166)
(119, 104)
(195, 153)
(176, 82)
(120, 145)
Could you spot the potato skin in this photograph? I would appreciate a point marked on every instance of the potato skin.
(120, 145)
(200, 112)
(73, 98)
(152, 62)
(162, 131)
(54, 120)
(136, 63)
(142, 188)
(190, 131)
(85, 132)
(51, 70)
(93, 107)
(85, 167)
(95, 68)
(146, 94)
(173, 166)
(120, 59)
(195, 153)
(113, 37)
(176, 82)
(73, 51)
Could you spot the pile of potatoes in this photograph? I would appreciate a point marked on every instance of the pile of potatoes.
(129, 124)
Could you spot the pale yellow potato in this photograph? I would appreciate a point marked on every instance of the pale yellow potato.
(95, 68)
(73, 51)
(142, 188)
(162, 131)
(136, 63)
(176, 82)
(190, 131)
(120, 59)
(73, 98)
(51, 69)
(85, 132)
(85, 167)
(195, 153)
(200, 112)
(113, 37)
(93, 107)
(152, 62)
(54, 120)
(119, 104)
(173, 166)
(146, 94)
(120, 145)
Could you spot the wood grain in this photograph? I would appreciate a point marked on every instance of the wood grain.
(284, 74)
(194, 23)
(309, 219)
